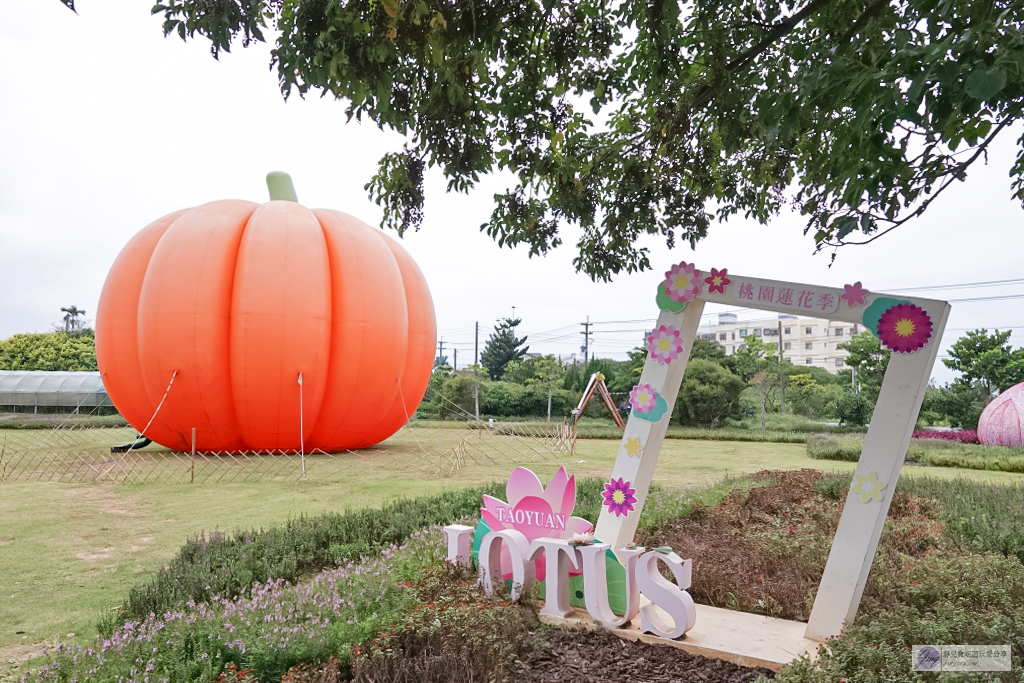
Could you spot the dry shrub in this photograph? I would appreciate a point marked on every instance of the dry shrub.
(325, 672)
(764, 550)
(455, 635)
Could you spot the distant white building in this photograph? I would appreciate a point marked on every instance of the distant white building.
(805, 341)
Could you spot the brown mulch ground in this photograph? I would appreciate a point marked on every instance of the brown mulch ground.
(600, 656)
(763, 551)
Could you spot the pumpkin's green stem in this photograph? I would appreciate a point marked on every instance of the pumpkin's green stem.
(280, 185)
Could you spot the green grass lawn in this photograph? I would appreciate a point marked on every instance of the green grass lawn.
(70, 551)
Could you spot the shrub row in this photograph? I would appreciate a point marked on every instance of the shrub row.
(229, 565)
(934, 452)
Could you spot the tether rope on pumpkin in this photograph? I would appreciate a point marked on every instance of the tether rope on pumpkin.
(159, 405)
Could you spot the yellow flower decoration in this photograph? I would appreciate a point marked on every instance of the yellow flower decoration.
(633, 446)
(868, 486)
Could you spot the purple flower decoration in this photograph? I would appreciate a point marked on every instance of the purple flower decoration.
(618, 497)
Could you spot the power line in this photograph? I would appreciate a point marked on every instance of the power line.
(988, 283)
(987, 298)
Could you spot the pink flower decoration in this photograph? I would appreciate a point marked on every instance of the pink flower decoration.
(904, 328)
(643, 398)
(536, 511)
(665, 344)
(683, 282)
(618, 497)
(718, 280)
(854, 294)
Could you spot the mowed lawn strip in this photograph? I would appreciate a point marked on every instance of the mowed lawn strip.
(72, 551)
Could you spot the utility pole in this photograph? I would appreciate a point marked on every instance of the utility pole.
(586, 340)
(782, 373)
(476, 349)
(455, 361)
(440, 350)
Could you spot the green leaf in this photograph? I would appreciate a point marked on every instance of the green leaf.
(844, 226)
(983, 85)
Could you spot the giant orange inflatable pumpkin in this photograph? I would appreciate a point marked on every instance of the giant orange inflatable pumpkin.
(235, 301)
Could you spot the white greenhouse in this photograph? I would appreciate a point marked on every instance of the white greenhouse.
(48, 392)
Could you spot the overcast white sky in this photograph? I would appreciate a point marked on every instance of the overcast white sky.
(106, 126)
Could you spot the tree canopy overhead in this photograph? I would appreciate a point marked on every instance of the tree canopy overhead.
(629, 118)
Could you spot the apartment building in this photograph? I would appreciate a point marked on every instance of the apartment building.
(805, 341)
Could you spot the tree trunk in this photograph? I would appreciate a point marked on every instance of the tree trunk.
(763, 423)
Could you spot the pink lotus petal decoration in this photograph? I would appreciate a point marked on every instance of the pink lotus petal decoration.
(665, 344)
(535, 510)
(643, 398)
(1002, 421)
(682, 282)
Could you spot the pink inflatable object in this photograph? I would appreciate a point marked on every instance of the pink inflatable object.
(1000, 423)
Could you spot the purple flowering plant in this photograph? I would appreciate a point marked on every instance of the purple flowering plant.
(277, 626)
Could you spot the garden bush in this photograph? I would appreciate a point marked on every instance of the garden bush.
(454, 635)
(227, 566)
(507, 399)
(274, 628)
(973, 600)
(708, 394)
(933, 452)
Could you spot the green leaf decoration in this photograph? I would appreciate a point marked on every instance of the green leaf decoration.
(873, 312)
(663, 549)
(482, 528)
(576, 598)
(983, 85)
(615, 575)
(667, 304)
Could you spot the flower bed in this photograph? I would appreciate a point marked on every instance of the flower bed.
(958, 435)
(948, 571)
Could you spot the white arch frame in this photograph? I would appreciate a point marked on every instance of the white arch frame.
(885, 445)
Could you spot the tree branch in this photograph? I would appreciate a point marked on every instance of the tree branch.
(954, 173)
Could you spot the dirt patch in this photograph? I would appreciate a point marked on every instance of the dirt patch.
(20, 652)
(104, 554)
(105, 500)
(597, 657)
(764, 550)
(6, 541)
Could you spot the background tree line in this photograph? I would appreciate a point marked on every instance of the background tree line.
(718, 390)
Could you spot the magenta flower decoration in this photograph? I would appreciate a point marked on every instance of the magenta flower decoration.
(718, 280)
(854, 294)
(904, 328)
(535, 510)
(618, 497)
(682, 283)
(643, 398)
(665, 344)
